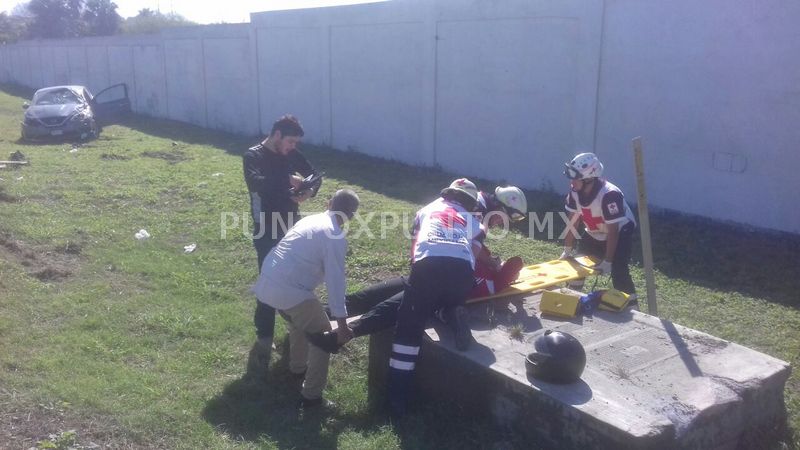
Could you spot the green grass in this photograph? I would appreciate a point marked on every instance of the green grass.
(136, 344)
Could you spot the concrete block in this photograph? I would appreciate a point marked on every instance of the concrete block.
(648, 383)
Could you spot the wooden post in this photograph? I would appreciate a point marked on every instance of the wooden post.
(644, 228)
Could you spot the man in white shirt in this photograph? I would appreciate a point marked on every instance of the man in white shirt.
(312, 251)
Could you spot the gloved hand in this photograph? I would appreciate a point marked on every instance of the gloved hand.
(603, 267)
(567, 253)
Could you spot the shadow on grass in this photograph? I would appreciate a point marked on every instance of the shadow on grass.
(266, 411)
(408, 183)
(17, 90)
(727, 258)
(714, 255)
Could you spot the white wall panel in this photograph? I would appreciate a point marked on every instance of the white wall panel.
(97, 61)
(121, 70)
(231, 90)
(150, 80)
(291, 64)
(185, 82)
(376, 90)
(505, 98)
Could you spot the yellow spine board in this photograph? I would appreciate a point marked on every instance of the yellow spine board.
(544, 275)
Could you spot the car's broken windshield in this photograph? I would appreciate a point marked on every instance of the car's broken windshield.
(57, 97)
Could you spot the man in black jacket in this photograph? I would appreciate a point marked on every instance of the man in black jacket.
(271, 171)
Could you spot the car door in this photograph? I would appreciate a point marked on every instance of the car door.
(111, 103)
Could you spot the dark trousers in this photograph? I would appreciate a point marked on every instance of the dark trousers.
(620, 272)
(435, 282)
(380, 317)
(264, 317)
(363, 301)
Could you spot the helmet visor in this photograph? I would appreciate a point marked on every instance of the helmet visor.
(514, 214)
(571, 172)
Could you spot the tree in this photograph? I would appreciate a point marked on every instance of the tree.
(149, 21)
(101, 18)
(56, 18)
(12, 27)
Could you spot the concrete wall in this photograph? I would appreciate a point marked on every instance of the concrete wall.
(200, 75)
(714, 89)
(497, 89)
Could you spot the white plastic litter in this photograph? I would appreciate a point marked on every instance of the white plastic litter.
(19, 178)
(74, 150)
(189, 248)
(218, 174)
(141, 234)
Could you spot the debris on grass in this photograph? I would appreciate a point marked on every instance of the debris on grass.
(516, 332)
(141, 235)
(189, 248)
(621, 373)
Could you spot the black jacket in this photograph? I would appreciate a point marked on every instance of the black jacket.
(267, 176)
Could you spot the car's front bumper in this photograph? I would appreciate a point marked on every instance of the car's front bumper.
(69, 128)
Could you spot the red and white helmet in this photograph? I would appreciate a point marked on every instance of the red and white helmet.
(464, 186)
(584, 166)
(513, 200)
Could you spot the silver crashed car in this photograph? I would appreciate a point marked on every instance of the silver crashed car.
(72, 111)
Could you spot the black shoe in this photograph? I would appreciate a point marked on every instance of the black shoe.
(307, 403)
(459, 321)
(326, 341)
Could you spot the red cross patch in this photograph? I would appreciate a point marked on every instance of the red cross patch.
(591, 221)
(449, 217)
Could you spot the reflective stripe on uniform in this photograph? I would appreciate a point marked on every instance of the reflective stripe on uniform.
(401, 365)
(405, 349)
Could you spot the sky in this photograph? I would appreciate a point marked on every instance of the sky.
(203, 11)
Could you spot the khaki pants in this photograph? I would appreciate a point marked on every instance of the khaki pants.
(308, 317)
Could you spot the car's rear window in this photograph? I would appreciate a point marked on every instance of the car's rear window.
(56, 97)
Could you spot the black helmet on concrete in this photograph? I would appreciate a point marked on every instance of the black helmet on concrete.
(557, 358)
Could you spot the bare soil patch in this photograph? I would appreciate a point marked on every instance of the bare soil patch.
(47, 265)
(24, 426)
(5, 198)
(171, 157)
(113, 157)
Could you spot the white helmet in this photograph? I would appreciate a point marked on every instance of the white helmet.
(584, 166)
(513, 200)
(463, 186)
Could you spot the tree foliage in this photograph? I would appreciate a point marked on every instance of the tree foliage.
(12, 28)
(72, 18)
(56, 18)
(101, 18)
(149, 21)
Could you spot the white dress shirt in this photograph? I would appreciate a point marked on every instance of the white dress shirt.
(312, 250)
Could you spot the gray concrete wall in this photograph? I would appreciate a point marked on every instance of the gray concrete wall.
(713, 88)
(200, 75)
(504, 90)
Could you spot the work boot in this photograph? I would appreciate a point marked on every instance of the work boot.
(458, 319)
(326, 341)
(306, 404)
(258, 359)
(633, 302)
